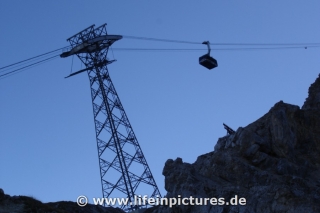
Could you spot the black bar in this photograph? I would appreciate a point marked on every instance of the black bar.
(229, 130)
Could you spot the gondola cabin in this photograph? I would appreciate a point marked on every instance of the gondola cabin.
(206, 60)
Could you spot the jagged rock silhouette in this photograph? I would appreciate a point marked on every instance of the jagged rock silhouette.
(273, 162)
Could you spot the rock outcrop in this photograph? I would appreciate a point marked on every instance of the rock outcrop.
(313, 100)
(24, 204)
(274, 163)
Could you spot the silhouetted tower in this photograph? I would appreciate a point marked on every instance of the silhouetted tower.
(123, 168)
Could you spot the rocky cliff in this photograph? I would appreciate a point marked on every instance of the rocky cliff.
(274, 163)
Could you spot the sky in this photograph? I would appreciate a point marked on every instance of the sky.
(175, 106)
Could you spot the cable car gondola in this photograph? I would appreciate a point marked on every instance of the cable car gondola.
(206, 60)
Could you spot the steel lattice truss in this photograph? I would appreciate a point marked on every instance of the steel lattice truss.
(123, 168)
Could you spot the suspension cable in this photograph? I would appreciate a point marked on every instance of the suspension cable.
(222, 44)
(22, 68)
(33, 57)
(216, 49)
(263, 46)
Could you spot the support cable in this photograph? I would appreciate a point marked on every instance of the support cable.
(216, 49)
(23, 68)
(222, 44)
(33, 57)
(147, 49)
(72, 64)
(273, 46)
(162, 40)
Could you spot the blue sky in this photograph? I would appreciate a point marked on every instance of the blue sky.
(176, 107)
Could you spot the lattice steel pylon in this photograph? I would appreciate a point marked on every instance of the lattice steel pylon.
(124, 170)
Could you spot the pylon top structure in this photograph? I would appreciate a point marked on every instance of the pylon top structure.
(124, 170)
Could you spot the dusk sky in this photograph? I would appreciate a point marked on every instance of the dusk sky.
(175, 106)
